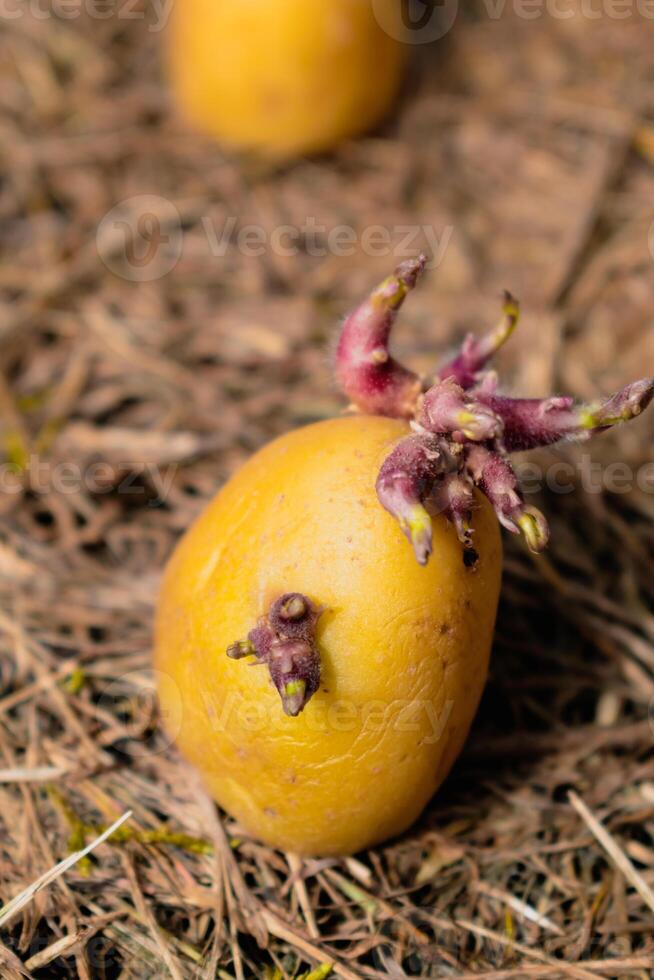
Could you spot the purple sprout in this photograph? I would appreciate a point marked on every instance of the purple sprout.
(463, 430)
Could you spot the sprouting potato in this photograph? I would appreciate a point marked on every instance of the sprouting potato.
(324, 628)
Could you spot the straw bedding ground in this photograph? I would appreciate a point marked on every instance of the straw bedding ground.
(532, 141)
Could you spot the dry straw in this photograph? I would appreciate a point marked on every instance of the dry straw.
(531, 140)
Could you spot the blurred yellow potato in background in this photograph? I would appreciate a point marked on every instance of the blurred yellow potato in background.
(283, 77)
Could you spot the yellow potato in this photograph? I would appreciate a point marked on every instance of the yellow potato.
(283, 77)
(403, 648)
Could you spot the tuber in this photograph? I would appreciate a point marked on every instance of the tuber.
(322, 669)
(285, 77)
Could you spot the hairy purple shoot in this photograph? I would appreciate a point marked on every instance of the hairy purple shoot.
(406, 480)
(464, 429)
(476, 352)
(533, 422)
(495, 476)
(369, 375)
(284, 639)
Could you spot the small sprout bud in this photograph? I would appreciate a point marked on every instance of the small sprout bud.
(293, 616)
(447, 409)
(625, 405)
(293, 697)
(477, 423)
(534, 529)
(240, 649)
(285, 641)
(294, 607)
(410, 270)
(416, 524)
(511, 312)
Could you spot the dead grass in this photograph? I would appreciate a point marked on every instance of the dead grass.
(534, 142)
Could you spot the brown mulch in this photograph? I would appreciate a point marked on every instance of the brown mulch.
(527, 148)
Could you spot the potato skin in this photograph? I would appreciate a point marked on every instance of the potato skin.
(404, 648)
(283, 77)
